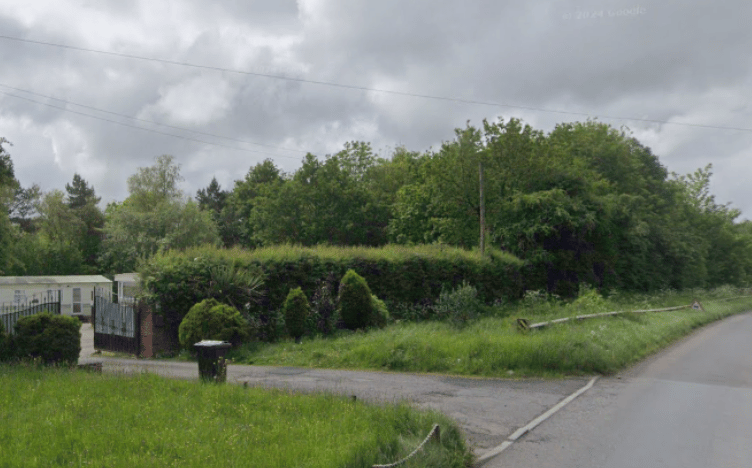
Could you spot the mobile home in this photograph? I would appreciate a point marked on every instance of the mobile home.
(127, 285)
(77, 292)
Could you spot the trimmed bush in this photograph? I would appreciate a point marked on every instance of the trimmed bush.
(380, 313)
(355, 303)
(296, 310)
(212, 320)
(54, 339)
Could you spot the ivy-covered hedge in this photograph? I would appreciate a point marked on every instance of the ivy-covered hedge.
(396, 274)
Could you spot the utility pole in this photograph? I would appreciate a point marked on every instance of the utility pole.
(482, 213)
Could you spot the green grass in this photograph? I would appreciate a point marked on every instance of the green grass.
(57, 417)
(493, 347)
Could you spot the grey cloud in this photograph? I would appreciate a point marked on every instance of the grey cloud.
(660, 64)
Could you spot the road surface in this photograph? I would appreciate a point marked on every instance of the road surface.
(690, 406)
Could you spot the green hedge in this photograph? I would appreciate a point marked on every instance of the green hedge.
(395, 274)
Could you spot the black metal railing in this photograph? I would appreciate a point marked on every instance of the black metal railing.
(116, 324)
(10, 312)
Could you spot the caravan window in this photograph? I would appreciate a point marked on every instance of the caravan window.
(76, 300)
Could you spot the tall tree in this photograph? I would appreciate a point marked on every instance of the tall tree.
(723, 246)
(23, 209)
(8, 186)
(154, 217)
(82, 200)
(324, 202)
(212, 198)
(8, 182)
(236, 228)
(216, 201)
(155, 184)
(58, 221)
(80, 194)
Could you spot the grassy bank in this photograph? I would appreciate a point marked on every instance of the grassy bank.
(493, 346)
(71, 418)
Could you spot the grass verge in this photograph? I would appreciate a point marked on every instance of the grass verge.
(493, 347)
(57, 417)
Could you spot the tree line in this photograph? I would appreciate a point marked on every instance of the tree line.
(584, 203)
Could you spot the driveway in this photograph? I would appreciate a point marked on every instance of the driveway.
(488, 410)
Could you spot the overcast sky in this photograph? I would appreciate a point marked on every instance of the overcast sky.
(683, 62)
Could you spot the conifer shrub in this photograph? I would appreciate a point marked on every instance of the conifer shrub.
(297, 309)
(212, 320)
(380, 312)
(355, 302)
(53, 339)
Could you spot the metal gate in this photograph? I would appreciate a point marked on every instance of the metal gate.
(116, 324)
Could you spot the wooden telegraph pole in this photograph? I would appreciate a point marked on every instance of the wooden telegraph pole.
(482, 213)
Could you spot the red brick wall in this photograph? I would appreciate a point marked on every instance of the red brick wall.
(155, 338)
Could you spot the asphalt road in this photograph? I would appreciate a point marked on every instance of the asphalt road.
(690, 406)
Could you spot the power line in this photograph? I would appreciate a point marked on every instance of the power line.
(368, 89)
(146, 120)
(143, 128)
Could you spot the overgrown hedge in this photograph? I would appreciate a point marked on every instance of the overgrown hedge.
(396, 274)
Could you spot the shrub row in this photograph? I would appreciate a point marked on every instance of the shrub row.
(397, 274)
(358, 308)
